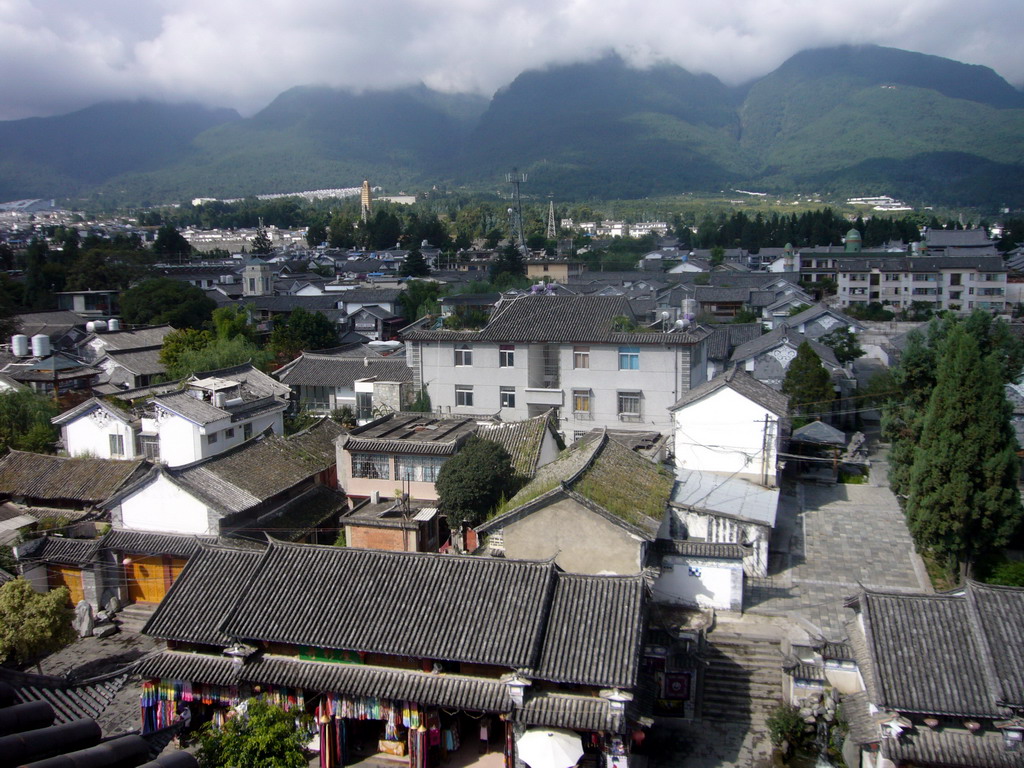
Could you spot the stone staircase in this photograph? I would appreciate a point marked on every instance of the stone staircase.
(742, 679)
(132, 618)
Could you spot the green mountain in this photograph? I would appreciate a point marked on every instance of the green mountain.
(862, 120)
(65, 155)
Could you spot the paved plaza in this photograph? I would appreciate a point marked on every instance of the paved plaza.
(830, 542)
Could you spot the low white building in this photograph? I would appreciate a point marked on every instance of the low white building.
(733, 425)
(212, 413)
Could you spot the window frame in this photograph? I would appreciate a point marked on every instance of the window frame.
(507, 397)
(116, 444)
(629, 354)
(463, 395)
(371, 466)
(463, 356)
(211, 438)
(623, 397)
(580, 397)
(507, 356)
(581, 357)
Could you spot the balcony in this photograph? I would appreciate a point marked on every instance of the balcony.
(543, 396)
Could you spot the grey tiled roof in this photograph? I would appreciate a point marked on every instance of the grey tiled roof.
(856, 710)
(562, 710)
(79, 480)
(981, 262)
(725, 337)
(417, 433)
(196, 604)
(817, 311)
(318, 370)
(566, 319)
(956, 654)
(742, 382)
(141, 362)
(137, 338)
(818, 433)
(712, 550)
(784, 334)
(950, 748)
(69, 701)
(522, 439)
(144, 542)
(342, 598)
(191, 407)
(945, 238)
(524, 615)
(92, 403)
(585, 612)
(58, 549)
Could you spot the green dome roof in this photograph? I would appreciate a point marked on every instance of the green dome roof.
(853, 234)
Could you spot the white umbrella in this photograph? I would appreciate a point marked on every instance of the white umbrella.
(549, 748)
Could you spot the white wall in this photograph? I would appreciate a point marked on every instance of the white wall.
(725, 432)
(90, 435)
(179, 440)
(701, 582)
(163, 506)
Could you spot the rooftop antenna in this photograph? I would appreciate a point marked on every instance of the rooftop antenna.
(515, 213)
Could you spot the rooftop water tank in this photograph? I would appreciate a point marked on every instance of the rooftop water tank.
(114, 324)
(41, 345)
(19, 345)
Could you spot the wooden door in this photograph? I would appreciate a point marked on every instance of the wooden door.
(63, 576)
(147, 579)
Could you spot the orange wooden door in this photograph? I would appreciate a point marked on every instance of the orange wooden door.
(61, 576)
(147, 579)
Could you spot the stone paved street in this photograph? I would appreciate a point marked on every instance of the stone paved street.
(831, 541)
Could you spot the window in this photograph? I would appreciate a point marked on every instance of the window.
(463, 396)
(229, 433)
(581, 405)
(375, 466)
(629, 358)
(506, 356)
(463, 356)
(364, 405)
(629, 406)
(581, 357)
(418, 469)
(117, 445)
(211, 438)
(508, 397)
(247, 431)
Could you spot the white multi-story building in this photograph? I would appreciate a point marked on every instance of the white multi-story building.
(581, 355)
(212, 413)
(955, 283)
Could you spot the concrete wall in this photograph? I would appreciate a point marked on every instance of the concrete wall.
(705, 527)
(365, 486)
(702, 582)
(665, 372)
(90, 435)
(578, 539)
(163, 506)
(725, 432)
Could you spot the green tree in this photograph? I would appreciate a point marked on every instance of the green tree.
(231, 321)
(177, 343)
(219, 353)
(165, 300)
(1009, 573)
(808, 384)
(508, 265)
(414, 265)
(264, 737)
(843, 342)
(33, 624)
(316, 233)
(302, 330)
(261, 242)
(419, 298)
(473, 481)
(25, 422)
(170, 243)
(963, 499)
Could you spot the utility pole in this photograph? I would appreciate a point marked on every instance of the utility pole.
(515, 213)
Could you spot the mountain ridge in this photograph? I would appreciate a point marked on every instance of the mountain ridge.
(862, 118)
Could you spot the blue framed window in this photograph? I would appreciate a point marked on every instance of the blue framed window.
(629, 358)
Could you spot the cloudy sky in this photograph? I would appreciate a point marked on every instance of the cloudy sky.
(61, 55)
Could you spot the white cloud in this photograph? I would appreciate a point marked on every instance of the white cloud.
(60, 55)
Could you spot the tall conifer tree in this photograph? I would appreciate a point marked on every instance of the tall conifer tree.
(962, 497)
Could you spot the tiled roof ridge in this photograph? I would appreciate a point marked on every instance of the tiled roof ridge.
(602, 442)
